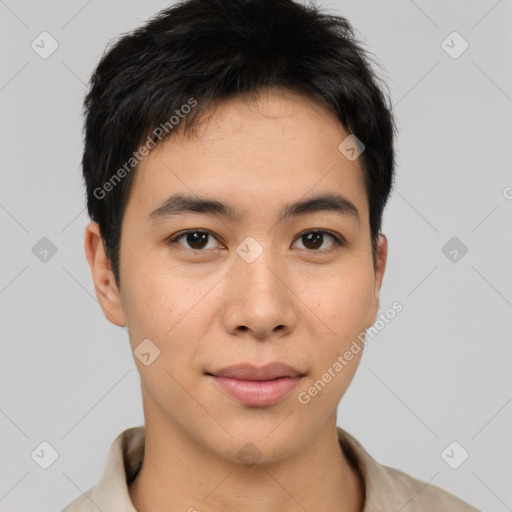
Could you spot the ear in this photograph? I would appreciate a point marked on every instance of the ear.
(102, 275)
(379, 268)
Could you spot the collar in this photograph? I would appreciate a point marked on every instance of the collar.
(385, 488)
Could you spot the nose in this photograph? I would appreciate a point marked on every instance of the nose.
(260, 302)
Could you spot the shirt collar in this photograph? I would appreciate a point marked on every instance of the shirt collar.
(127, 452)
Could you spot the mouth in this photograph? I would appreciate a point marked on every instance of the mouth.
(257, 387)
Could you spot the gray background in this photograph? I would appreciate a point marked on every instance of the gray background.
(439, 372)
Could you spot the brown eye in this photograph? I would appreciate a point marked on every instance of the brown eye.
(195, 239)
(313, 240)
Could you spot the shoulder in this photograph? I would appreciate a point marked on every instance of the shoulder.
(84, 503)
(111, 492)
(422, 496)
(388, 489)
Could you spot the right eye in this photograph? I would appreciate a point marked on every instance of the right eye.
(196, 239)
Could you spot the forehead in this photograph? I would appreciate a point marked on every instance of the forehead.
(272, 149)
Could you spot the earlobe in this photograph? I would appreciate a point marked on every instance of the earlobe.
(102, 275)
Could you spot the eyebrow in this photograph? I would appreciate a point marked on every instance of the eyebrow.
(178, 204)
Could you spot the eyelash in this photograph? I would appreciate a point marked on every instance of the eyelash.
(339, 241)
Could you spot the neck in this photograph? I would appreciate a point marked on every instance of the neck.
(179, 474)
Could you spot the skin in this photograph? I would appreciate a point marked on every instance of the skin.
(211, 309)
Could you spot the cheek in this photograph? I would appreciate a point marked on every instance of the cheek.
(154, 300)
(349, 309)
(343, 307)
(342, 301)
(170, 311)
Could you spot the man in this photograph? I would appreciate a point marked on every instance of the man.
(238, 158)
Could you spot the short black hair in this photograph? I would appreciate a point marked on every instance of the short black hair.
(200, 52)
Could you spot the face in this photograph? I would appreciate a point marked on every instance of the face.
(212, 289)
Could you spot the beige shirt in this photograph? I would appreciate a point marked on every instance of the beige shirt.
(387, 489)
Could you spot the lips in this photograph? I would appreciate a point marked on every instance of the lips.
(257, 387)
(249, 372)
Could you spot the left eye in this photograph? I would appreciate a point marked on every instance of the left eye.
(198, 239)
(316, 239)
